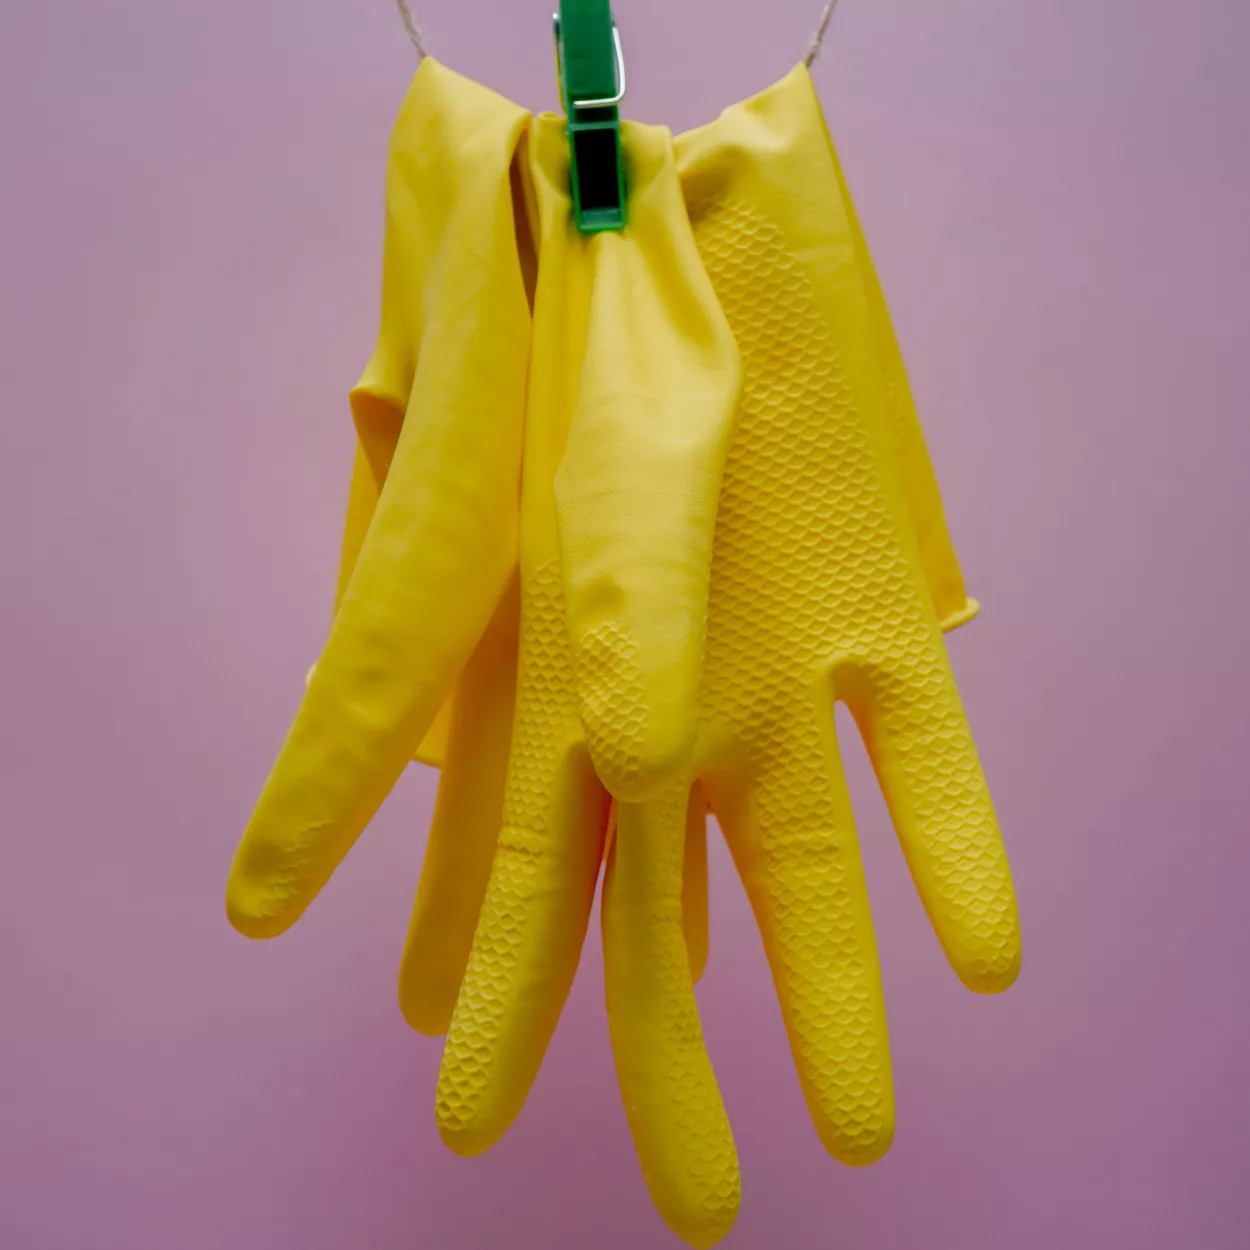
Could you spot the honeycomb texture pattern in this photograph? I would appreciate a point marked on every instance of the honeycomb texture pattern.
(670, 1092)
(694, 903)
(612, 701)
(817, 593)
(475, 1054)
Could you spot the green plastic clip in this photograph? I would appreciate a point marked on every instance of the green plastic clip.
(591, 72)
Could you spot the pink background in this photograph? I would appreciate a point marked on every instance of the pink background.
(1058, 195)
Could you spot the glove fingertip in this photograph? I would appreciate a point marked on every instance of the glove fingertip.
(250, 910)
(867, 1148)
(468, 1140)
(424, 1012)
(990, 971)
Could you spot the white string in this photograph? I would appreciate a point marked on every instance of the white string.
(410, 25)
(813, 48)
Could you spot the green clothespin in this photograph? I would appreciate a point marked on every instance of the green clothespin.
(591, 71)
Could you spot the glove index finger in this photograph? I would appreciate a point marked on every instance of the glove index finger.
(441, 543)
(678, 1121)
(432, 568)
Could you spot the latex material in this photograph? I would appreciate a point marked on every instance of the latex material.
(439, 415)
(821, 592)
(831, 570)
(434, 511)
(537, 931)
(638, 484)
(555, 810)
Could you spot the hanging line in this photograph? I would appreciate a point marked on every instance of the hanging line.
(410, 25)
(813, 47)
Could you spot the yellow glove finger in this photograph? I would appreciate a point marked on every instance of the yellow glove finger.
(533, 921)
(464, 828)
(441, 544)
(913, 726)
(792, 836)
(694, 886)
(639, 480)
(676, 1115)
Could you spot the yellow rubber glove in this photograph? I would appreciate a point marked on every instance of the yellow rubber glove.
(440, 418)
(465, 825)
(555, 809)
(287, 890)
(430, 535)
(831, 557)
(820, 593)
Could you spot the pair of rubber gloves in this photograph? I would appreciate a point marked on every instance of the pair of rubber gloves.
(630, 513)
